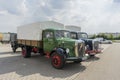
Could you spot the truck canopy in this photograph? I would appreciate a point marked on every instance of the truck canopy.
(73, 28)
(34, 31)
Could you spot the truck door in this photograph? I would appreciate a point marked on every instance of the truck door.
(48, 41)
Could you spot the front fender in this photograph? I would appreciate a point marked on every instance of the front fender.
(59, 51)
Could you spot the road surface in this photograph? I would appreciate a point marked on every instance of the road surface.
(107, 68)
(104, 66)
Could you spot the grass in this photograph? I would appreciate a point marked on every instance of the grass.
(117, 41)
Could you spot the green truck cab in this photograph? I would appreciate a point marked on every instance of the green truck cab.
(58, 45)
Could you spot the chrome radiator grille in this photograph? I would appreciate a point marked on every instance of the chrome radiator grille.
(96, 45)
(80, 50)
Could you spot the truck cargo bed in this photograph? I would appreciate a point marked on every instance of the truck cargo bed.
(33, 43)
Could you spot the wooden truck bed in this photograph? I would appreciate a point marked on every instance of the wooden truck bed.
(34, 43)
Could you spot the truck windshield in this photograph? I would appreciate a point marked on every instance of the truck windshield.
(62, 33)
(82, 35)
(73, 35)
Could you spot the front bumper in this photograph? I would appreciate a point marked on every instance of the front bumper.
(93, 51)
(76, 58)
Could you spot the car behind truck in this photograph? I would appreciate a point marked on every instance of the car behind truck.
(49, 38)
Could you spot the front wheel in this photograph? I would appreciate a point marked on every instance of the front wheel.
(57, 60)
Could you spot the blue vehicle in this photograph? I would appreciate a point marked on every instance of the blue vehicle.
(91, 45)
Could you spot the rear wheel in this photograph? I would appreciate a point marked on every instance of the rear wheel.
(26, 52)
(57, 60)
(14, 46)
(14, 49)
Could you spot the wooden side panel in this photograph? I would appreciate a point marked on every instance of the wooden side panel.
(33, 43)
(27, 42)
(1, 36)
(23, 41)
(19, 41)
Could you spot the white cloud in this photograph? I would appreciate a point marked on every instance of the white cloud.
(92, 15)
(22, 8)
(3, 12)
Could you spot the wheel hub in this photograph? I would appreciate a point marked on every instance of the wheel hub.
(56, 60)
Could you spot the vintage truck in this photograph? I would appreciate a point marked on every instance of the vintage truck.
(49, 38)
(5, 37)
(92, 46)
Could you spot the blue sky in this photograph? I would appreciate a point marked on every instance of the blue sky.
(92, 15)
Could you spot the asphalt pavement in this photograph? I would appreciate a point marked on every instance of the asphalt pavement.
(104, 66)
(107, 68)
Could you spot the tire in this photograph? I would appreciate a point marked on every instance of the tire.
(41, 52)
(26, 52)
(14, 49)
(57, 60)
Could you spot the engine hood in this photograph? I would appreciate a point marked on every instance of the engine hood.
(68, 43)
(69, 40)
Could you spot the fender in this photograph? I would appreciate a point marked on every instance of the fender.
(59, 51)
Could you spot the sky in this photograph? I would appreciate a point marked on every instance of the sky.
(93, 16)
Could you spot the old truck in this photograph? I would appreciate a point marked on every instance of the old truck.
(8, 37)
(92, 46)
(5, 37)
(49, 38)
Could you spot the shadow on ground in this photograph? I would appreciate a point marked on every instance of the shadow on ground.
(93, 58)
(36, 64)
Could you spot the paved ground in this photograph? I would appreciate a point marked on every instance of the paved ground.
(107, 68)
(104, 66)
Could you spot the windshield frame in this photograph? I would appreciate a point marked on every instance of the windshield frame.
(60, 34)
(81, 37)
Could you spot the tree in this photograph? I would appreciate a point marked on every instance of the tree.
(94, 36)
(118, 38)
(111, 37)
(102, 35)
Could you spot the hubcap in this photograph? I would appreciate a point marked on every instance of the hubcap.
(56, 60)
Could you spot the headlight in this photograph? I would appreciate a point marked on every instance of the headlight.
(67, 50)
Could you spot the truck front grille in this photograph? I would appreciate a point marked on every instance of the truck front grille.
(80, 50)
(96, 45)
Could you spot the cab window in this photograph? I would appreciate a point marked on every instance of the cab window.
(48, 34)
(73, 35)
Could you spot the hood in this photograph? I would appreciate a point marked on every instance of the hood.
(69, 40)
